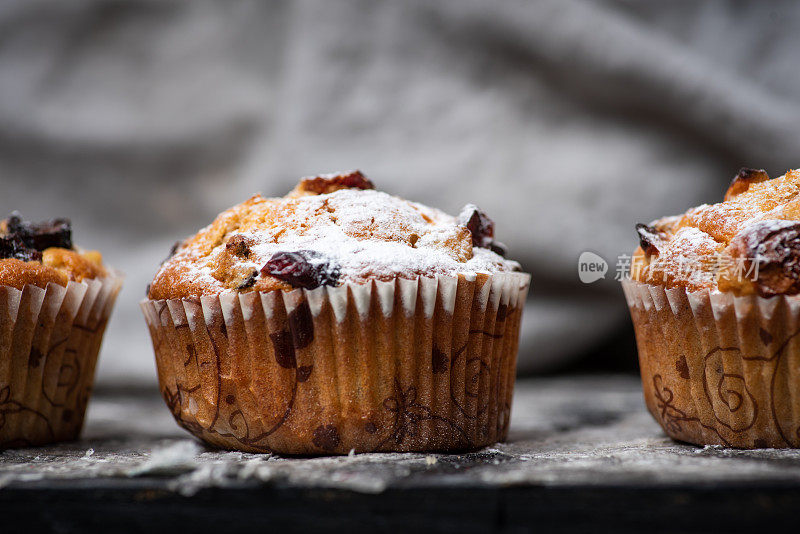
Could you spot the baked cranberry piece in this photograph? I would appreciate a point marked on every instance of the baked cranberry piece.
(25, 240)
(742, 181)
(12, 246)
(328, 184)
(775, 246)
(479, 224)
(648, 238)
(354, 179)
(40, 236)
(303, 268)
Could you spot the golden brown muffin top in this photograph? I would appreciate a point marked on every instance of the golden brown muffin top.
(329, 230)
(747, 244)
(41, 253)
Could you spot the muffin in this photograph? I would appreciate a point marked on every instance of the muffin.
(339, 318)
(55, 302)
(714, 299)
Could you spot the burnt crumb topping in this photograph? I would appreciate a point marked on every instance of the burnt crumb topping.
(304, 268)
(26, 240)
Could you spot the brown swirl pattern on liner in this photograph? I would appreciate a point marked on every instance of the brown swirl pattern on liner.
(671, 415)
(9, 407)
(744, 408)
(724, 392)
(408, 414)
(398, 421)
(49, 342)
(297, 335)
(729, 389)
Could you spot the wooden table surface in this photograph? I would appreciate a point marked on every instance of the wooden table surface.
(583, 456)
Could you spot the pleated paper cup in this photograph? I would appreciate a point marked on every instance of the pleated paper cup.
(406, 365)
(719, 369)
(49, 342)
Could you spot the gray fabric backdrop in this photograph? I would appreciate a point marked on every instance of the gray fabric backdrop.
(566, 120)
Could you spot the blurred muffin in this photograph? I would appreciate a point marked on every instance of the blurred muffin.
(55, 302)
(339, 318)
(713, 297)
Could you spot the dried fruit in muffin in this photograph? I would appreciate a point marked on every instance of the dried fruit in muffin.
(771, 251)
(649, 237)
(328, 183)
(25, 240)
(479, 225)
(742, 181)
(13, 246)
(750, 243)
(42, 253)
(329, 230)
(304, 268)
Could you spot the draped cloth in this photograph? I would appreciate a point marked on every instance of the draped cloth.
(567, 121)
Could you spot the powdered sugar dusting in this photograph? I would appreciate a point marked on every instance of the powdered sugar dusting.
(367, 234)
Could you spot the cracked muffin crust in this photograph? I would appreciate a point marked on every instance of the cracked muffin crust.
(329, 230)
(747, 244)
(43, 253)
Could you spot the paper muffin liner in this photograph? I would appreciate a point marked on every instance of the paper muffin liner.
(49, 342)
(719, 369)
(406, 365)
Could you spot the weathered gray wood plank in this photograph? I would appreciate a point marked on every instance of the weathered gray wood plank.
(582, 453)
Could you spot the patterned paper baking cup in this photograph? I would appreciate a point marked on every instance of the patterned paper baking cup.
(49, 342)
(719, 369)
(406, 365)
